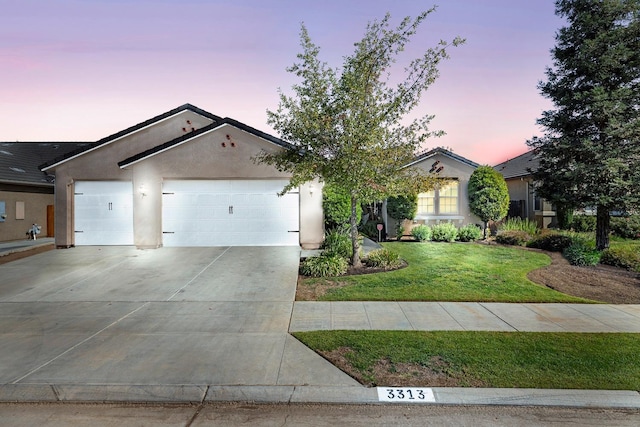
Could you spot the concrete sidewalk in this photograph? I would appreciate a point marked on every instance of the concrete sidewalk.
(464, 316)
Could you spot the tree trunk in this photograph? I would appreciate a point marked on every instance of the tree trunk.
(602, 228)
(486, 225)
(355, 258)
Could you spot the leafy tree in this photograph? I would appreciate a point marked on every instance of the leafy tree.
(488, 195)
(348, 126)
(590, 152)
(400, 208)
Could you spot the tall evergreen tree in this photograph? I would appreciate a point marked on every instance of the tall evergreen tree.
(348, 125)
(590, 152)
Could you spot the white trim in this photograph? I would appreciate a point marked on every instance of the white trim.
(123, 136)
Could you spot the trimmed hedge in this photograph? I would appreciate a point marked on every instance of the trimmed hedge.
(551, 242)
(469, 233)
(621, 257)
(421, 233)
(513, 237)
(445, 232)
(626, 227)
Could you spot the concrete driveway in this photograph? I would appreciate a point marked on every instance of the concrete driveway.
(101, 322)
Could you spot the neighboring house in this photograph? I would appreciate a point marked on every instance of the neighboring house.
(183, 178)
(523, 202)
(26, 193)
(449, 202)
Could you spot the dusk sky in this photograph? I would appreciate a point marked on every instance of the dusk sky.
(85, 69)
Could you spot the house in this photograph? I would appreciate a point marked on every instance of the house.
(448, 202)
(26, 193)
(183, 178)
(523, 202)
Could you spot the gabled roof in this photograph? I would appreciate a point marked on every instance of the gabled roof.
(443, 151)
(19, 161)
(518, 166)
(187, 137)
(125, 132)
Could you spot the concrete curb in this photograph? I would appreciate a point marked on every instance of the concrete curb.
(290, 394)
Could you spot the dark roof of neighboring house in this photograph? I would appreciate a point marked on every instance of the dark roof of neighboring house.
(439, 150)
(217, 121)
(518, 166)
(19, 161)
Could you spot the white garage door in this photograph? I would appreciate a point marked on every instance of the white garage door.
(103, 213)
(229, 213)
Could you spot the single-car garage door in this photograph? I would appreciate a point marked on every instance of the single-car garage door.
(229, 213)
(103, 213)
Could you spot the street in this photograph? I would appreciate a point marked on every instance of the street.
(237, 414)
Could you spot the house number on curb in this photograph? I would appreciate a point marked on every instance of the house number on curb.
(405, 394)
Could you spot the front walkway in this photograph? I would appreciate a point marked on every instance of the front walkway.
(464, 316)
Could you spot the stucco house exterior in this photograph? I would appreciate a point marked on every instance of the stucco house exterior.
(183, 178)
(523, 202)
(26, 193)
(450, 201)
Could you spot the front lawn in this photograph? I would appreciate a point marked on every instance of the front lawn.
(449, 272)
(483, 359)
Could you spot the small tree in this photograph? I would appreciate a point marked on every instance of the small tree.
(488, 195)
(402, 208)
(347, 125)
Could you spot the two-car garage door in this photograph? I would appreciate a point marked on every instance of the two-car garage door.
(194, 213)
(229, 213)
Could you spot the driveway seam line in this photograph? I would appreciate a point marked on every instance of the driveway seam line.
(198, 275)
(31, 372)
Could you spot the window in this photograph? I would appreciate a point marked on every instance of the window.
(427, 202)
(441, 201)
(449, 198)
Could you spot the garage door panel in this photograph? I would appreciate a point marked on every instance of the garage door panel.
(229, 213)
(103, 213)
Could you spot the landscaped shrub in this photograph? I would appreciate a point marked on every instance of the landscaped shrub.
(336, 204)
(552, 242)
(383, 258)
(469, 233)
(584, 223)
(513, 237)
(325, 265)
(626, 227)
(445, 232)
(421, 233)
(628, 258)
(338, 243)
(581, 253)
(519, 224)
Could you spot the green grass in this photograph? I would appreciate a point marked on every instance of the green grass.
(452, 272)
(496, 359)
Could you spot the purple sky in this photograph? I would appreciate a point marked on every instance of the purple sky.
(80, 70)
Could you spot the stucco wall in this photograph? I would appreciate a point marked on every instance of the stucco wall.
(35, 211)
